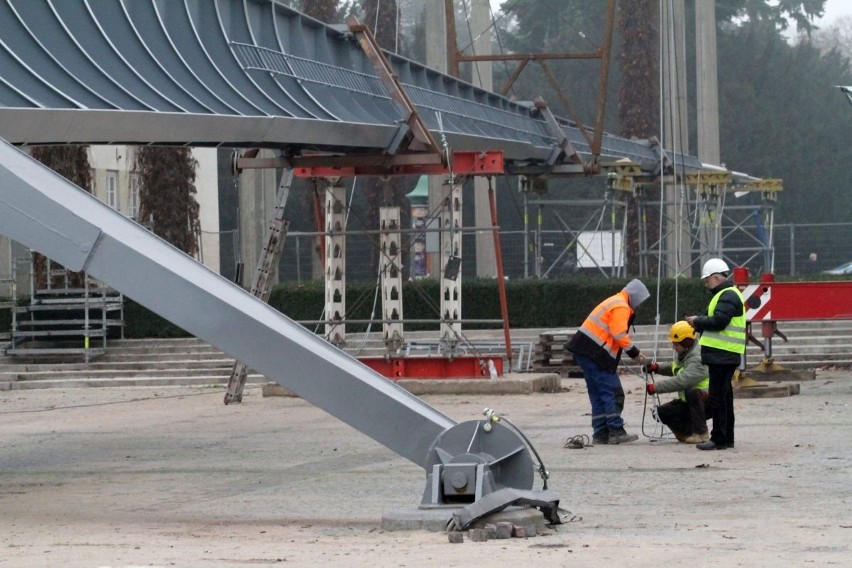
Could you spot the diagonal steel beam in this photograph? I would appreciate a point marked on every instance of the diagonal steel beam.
(49, 214)
(374, 53)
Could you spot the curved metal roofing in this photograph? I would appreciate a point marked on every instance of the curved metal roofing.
(237, 73)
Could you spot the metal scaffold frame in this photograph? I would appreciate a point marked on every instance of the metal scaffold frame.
(700, 223)
(61, 318)
(706, 224)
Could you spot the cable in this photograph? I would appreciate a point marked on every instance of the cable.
(500, 43)
(659, 433)
(492, 416)
(472, 40)
(372, 312)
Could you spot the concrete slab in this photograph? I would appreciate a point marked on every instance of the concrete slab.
(512, 383)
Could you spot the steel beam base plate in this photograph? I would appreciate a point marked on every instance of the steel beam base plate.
(435, 519)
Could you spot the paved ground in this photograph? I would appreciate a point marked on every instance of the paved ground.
(171, 477)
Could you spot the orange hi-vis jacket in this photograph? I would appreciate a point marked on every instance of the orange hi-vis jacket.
(603, 335)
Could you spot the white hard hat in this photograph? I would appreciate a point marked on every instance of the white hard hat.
(714, 266)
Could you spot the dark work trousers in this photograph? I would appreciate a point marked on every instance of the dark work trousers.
(606, 395)
(722, 403)
(686, 417)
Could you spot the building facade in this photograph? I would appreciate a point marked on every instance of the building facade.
(116, 183)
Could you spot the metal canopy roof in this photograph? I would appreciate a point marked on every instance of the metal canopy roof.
(248, 73)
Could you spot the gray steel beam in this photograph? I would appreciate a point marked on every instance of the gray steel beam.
(49, 214)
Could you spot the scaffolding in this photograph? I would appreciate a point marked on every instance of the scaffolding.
(706, 214)
(66, 314)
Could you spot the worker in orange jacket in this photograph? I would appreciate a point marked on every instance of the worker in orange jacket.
(597, 348)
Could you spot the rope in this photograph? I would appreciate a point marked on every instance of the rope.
(577, 442)
(659, 433)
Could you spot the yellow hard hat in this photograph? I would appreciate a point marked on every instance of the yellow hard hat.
(681, 330)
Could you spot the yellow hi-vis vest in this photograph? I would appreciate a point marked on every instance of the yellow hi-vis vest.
(733, 337)
(703, 384)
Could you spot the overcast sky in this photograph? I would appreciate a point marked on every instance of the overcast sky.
(833, 10)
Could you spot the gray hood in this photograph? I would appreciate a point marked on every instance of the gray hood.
(636, 292)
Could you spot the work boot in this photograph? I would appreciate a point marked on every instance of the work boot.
(600, 438)
(683, 437)
(711, 445)
(621, 437)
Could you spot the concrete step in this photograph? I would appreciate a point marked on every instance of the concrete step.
(118, 373)
(100, 365)
(189, 361)
(142, 381)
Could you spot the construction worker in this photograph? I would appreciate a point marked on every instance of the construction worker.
(686, 416)
(597, 348)
(723, 342)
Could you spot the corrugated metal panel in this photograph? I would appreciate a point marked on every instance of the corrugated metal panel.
(235, 73)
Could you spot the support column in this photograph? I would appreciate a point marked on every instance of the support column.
(676, 129)
(706, 81)
(335, 263)
(257, 203)
(451, 278)
(480, 23)
(436, 58)
(391, 277)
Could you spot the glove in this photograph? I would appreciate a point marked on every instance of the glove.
(650, 388)
(651, 368)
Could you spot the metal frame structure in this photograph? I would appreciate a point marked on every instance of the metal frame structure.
(713, 226)
(46, 212)
(255, 74)
(705, 216)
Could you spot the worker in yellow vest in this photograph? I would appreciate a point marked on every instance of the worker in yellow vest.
(597, 348)
(687, 415)
(723, 342)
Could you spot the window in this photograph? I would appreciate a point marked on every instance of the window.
(112, 188)
(134, 196)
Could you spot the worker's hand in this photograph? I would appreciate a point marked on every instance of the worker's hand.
(650, 388)
(651, 368)
(640, 359)
(690, 320)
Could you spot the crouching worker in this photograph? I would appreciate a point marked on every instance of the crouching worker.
(687, 415)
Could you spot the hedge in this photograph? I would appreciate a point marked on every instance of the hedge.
(531, 304)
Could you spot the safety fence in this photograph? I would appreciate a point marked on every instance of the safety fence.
(798, 249)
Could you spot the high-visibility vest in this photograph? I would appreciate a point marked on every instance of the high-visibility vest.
(597, 326)
(733, 337)
(703, 384)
